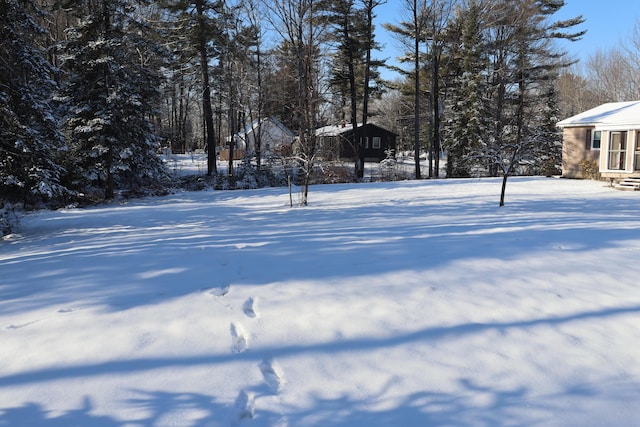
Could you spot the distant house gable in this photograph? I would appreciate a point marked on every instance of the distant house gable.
(608, 135)
(274, 137)
(336, 141)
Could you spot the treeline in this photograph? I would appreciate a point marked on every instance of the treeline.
(91, 90)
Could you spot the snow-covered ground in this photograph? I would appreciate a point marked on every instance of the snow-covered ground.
(195, 163)
(418, 303)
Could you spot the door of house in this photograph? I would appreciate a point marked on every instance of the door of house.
(617, 150)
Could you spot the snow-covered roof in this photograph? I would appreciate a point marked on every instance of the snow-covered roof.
(256, 124)
(335, 130)
(614, 115)
(339, 129)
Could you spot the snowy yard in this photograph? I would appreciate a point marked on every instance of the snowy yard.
(418, 303)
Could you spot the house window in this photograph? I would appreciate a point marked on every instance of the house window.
(596, 140)
(617, 150)
(366, 142)
(376, 142)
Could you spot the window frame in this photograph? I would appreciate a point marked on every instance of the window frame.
(620, 153)
(594, 139)
(376, 142)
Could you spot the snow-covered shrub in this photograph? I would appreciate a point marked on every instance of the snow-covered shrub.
(8, 218)
(388, 168)
(249, 176)
(333, 173)
(246, 178)
(194, 183)
(589, 169)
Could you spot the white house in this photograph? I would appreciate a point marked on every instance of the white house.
(608, 135)
(275, 138)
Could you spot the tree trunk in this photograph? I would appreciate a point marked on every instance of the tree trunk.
(109, 192)
(504, 188)
(367, 63)
(356, 141)
(416, 108)
(207, 111)
(435, 96)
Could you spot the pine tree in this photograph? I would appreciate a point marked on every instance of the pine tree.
(524, 63)
(110, 94)
(466, 125)
(548, 149)
(412, 32)
(200, 37)
(353, 68)
(348, 32)
(30, 143)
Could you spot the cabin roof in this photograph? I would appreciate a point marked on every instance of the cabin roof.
(610, 115)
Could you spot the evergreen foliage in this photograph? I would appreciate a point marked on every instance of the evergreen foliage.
(110, 94)
(502, 103)
(30, 142)
(466, 125)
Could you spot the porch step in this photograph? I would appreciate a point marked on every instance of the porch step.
(628, 184)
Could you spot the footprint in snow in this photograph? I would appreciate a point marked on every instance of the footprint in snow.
(239, 341)
(244, 406)
(20, 326)
(271, 374)
(144, 340)
(249, 307)
(220, 291)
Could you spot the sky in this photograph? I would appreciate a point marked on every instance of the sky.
(410, 303)
(607, 24)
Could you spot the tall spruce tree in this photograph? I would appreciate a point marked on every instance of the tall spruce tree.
(30, 143)
(466, 125)
(110, 93)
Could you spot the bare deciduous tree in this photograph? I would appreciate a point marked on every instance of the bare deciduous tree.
(302, 29)
(612, 75)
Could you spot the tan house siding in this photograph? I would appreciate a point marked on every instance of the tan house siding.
(576, 149)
